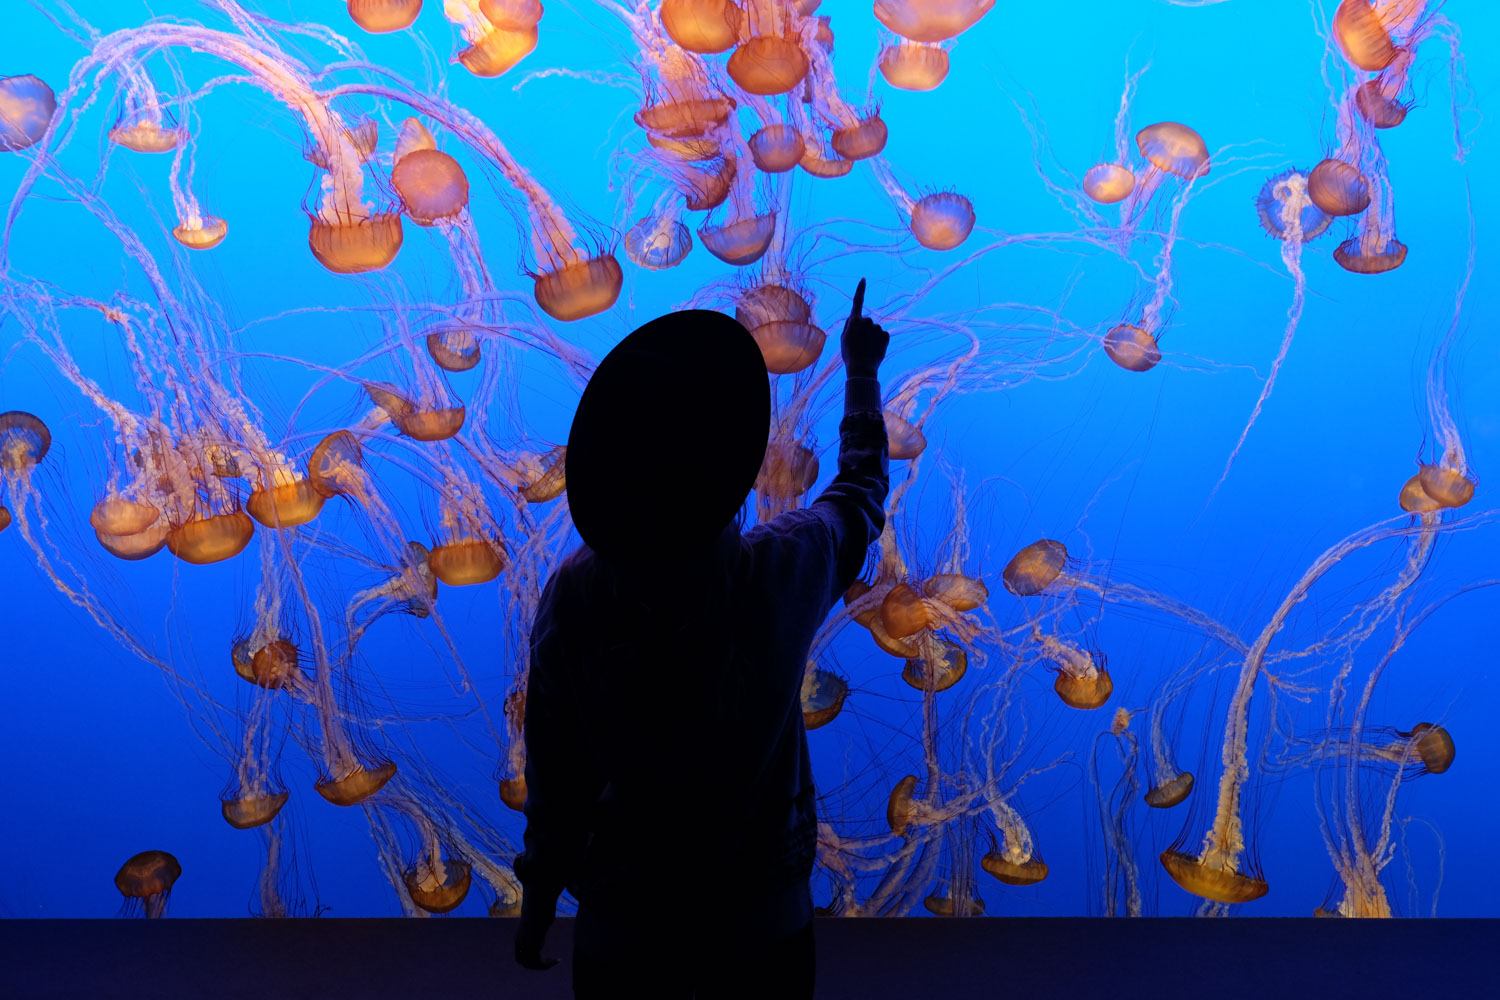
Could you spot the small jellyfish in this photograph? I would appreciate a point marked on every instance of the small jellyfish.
(1132, 348)
(1034, 568)
(1283, 202)
(356, 784)
(27, 105)
(432, 186)
(705, 190)
(211, 539)
(1361, 256)
(24, 441)
(788, 471)
(1174, 148)
(513, 792)
(438, 885)
(273, 665)
(941, 665)
(353, 242)
(1171, 792)
(128, 529)
(505, 34)
(455, 349)
(942, 220)
(417, 421)
(1338, 188)
(201, 232)
(777, 148)
(379, 16)
(148, 878)
(4, 517)
(1221, 885)
(914, 66)
(823, 694)
(658, 242)
(1432, 745)
(906, 440)
(703, 26)
(825, 167)
(900, 810)
(248, 811)
(466, 561)
(789, 347)
(545, 477)
(1108, 183)
(1414, 499)
(861, 140)
(1378, 107)
(579, 289)
(1027, 871)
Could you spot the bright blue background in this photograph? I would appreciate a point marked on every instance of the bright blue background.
(103, 760)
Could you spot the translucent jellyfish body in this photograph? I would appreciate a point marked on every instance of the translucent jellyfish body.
(27, 105)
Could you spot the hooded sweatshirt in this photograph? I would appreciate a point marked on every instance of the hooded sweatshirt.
(667, 765)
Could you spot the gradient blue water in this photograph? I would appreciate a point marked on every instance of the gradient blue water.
(101, 760)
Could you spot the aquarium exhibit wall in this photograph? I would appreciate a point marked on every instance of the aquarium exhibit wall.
(1185, 601)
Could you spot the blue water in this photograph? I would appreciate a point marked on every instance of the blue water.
(107, 757)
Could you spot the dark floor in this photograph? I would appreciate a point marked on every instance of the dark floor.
(857, 959)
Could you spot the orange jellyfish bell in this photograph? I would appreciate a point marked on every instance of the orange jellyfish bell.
(431, 184)
(703, 26)
(439, 888)
(942, 220)
(768, 64)
(357, 785)
(657, 244)
(905, 612)
(1433, 745)
(513, 792)
(1170, 793)
(931, 20)
(1414, 499)
(285, 505)
(1034, 568)
(912, 66)
(788, 471)
(1027, 872)
(379, 16)
(777, 148)
(1447, 487)
(354, 242)
(827, 167)
(4, 517)
(553, 479)
(687, 119)
(1082, 692)
(771, 303)
(454, 350)
(24, 441)
(1362, 37)
(1379, 108)
(862, 140)
(498, 50)
(1338, 188)
(1353, 256)
(789, 347)
(116, 515)
(1216, 884)
(741, 242)
(466, 562)
(1108, 183)
(584, 288)
(204, 540)
(899, 808)
(249, 811)
(905, 439)
(27, 105)
(203, 233)
(334, 466)
(420, 423)
(1132, 348)
(941, 665)
(146, 136)
(823, 695)
(1174, 148)
(274, 666)
(149, 877)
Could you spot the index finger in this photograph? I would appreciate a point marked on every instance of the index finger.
(859, 301)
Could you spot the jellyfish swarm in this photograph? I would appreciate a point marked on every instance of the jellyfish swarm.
(379, 16)
(27, 105)
(146, 880)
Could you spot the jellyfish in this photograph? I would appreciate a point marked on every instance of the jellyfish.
(823, 695)
(379, 16)
(432, 185)
(210, 538)
(1132, 348)
(201, 233)
(1082, 681)
(454, 349)
(769, 58)
(1288, 211)
(1338, 188)
(913, 65)
(927, 21)
(580, 288)
(942, 665)
(1108, 183)
(498, 33)
(1034, 568)
(146, 880)
(286, 500)
(1171, 148)
(777, 147)
(746, 235)
(1362, 36)
(416, 420)
(5, 517)
(702, 26)
(543, 477)
(24, 442)
(905, 439)
(787, 472)
(466, 561)
(658, 241)
(27, 105)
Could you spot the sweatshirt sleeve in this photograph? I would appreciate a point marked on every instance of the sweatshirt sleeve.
(854, 503)
(557, 796)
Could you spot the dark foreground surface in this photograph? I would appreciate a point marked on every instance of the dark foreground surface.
(857, 959)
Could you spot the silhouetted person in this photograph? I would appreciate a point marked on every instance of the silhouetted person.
(668, 781)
